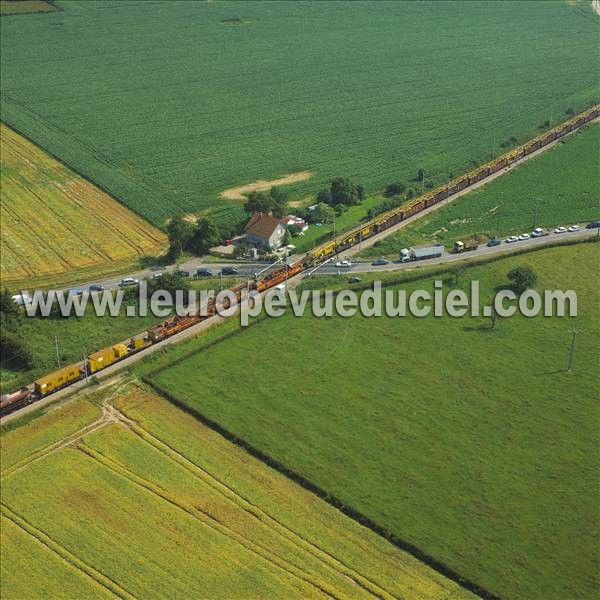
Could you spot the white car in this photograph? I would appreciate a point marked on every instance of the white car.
(537, 232)
(560, 230)
(343, 264)
(574, 228)
(128, 281)
(511, 238)
(523, 237)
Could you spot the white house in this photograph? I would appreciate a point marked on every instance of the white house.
(264, 231)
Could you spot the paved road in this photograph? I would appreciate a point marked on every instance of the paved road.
(245, 269)
(362, 266)
(111, 372)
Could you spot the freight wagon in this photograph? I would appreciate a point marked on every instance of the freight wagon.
(103, 358)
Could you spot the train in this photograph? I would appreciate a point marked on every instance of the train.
(101, 359)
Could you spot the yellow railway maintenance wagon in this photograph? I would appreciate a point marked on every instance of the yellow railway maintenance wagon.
(54, 381)
(101, 359)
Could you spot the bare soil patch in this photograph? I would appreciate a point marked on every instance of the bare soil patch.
(238, 193)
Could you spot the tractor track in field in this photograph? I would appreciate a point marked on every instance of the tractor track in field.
(242, 503)
(208, 520)
(41, 537)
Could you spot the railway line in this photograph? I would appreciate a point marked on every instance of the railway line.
(174, 326)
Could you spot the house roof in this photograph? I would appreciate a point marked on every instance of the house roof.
(261, 226)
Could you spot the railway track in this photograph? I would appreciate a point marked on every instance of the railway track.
(376, 228)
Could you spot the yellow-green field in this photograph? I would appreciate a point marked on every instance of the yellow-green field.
(21, 7)
(56, 224)
(130, 496)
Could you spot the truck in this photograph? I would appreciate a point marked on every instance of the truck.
(467, 246)
(408, 254)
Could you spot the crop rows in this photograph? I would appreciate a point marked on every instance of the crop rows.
(167, 117)
(155, 489)
(54, 221)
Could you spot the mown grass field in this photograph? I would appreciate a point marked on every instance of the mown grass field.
(176, 106)
(158, 505)
(565, 179)
(55, 224)
(474, 444)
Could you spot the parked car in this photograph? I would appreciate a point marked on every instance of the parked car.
(511, 238)
(523, 237)
(229, 271)
(74, 292)
(593, 225)
(494, 242)
(380, 262)
(343, 264)
(574, 228)
(204, 273)
(354, 279)
(537, 232)
(96, 287)
(560, 230)
(182, 273)
(126, 281)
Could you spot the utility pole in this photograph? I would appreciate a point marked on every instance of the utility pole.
(85, 369)
(572, 351)
(423, 183)
(498, 225)
(57, 354)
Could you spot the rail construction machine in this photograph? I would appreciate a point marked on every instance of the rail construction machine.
(100, 360)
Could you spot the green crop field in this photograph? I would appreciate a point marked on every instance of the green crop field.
(130, 496)
(561, 185)
(473, 443)
(166, 105)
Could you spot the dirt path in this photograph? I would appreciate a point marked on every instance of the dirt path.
(238, 193)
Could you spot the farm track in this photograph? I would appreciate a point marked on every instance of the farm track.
(298, 544)
(241, 502)
(59, 550)
(207, 519)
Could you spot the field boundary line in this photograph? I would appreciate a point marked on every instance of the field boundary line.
(43, 538)
(206, 519)
(334, 501)
(242, 503)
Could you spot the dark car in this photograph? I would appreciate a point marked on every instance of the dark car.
(229, 271)
(380, 262)
(494, 242)
(96, 287)
(354, 279)
(204, 273)
(593, 225)
(182, 273)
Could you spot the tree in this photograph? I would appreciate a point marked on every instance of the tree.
(457, 272)
(180, 232)
(10, 314)
(323, 214)
(14, 349)
(421, 175)
(258, 202)
(570, 111)
(343, 191)
(394, 189)
(324, 197)
(294, 230)
(279, 201)
(360, 190)
(205, 236)
(522, 278)
(339, 209)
